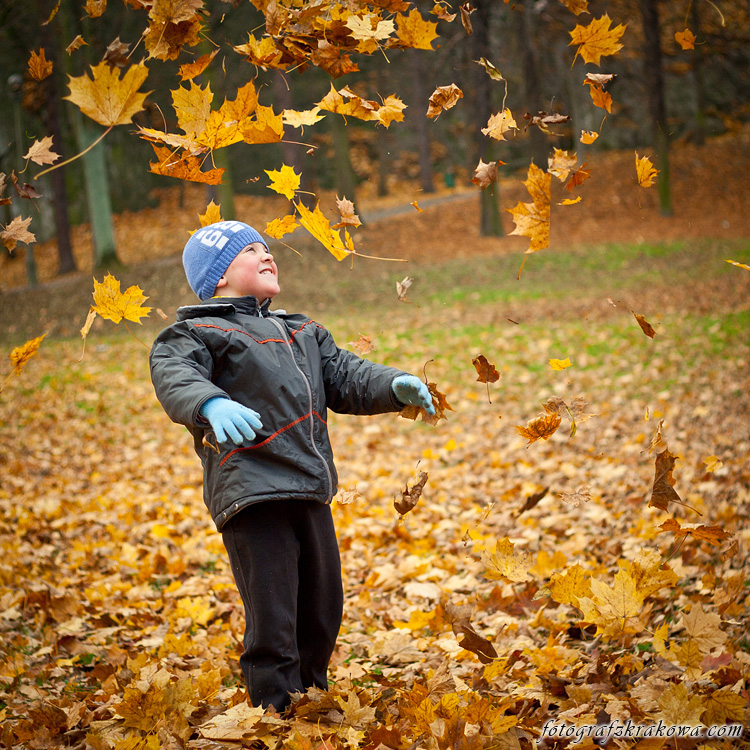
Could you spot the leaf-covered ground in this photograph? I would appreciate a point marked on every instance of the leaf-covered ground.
(120, 622)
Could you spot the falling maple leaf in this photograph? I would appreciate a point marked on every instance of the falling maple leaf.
(112, 304)
(663, 491)
(588, 136)
(105, 97)
(645, 171)
(20, 355)
(576, 6)
(559, 364)
(212, 215)
(284, 181)
(579, 176)
(185, 167)
(319, 227)
(470, 640)
(41, 152)
(363, 345)
(410, 495)
(348, 217)
(414, 31)
(76, 44)
(579, 497)
(561, 164)
(532, 219)
(485, 174)
(263, 53)
(540, 428)
(192, 70)
(599, 96)
(392, 110)
(575, 411)
(280, 227)
(345, 102)
(712, 463)
(369, 29)
(443, 97)
(95, 8)
(686, 39)
(645, 325)
(615, 609)
(17, 231)
(597, 39)
(486, 372)
(466, 9)
(714, 535)
(498, 125)
(39, 67)
(296, 119)
(543, 120)
(439, 402)
(440, 9)
(739, 265)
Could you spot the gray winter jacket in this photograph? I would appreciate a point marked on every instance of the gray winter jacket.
(285, 367)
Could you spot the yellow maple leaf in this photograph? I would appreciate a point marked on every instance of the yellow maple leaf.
(559, 364)
(219, 133)
(22, 354)
(346, 102)
(267, 127)
(297, 119)
(414, 31)
(105, 97)
(678, 707)
(614, 609)
(114, 305)
(723, 706)
(234, 724)
(713, 463)
(686, 39)
(212, 215)
(503, 563)
(319, 227)
(597, 39)
(39, 66)
(561, 164)
(279, 227)
(192, 107)
(570, 585)
(498, 125)
(703, 628)
(368, 30)
(645, 171)
(532, 219)
(262, 52)
(284, 181)
(95, 8)
(242, 106)
(391, 110)
(417, 620)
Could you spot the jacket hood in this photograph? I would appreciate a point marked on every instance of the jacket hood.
(218, 306)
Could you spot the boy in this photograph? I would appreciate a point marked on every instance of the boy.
(252, 386)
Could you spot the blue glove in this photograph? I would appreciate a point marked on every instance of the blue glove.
(409, 389)
(230, 420)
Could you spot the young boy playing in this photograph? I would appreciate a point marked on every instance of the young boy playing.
(253, 385)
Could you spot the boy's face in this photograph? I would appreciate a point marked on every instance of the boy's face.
(252, 272)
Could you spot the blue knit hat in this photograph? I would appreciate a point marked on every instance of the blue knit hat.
(211, 249)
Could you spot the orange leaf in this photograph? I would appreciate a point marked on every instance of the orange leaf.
(597, 39)
(263, 53)
(183, 168)
(561, 164)
(588, 136)
(107, 98)
(686, 39)
(438, 401)
(485, 369)
(22, 354)
(39, 66)
(541, 427)
(645, 171)
(390, 111)
(267, 127)
(579, 176)
(95, 8)
(191, 70)
(485, 174)
(114, 305)
(576, 6)
(714, 535)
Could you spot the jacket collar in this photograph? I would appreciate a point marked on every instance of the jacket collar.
(225, 306)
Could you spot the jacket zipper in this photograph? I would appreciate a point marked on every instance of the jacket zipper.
(310, 401)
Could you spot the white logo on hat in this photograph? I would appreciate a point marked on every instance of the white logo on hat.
(215, 234)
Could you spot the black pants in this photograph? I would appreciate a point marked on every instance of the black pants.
(285, 560)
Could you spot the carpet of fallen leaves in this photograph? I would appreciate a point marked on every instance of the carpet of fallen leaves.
(531, 581)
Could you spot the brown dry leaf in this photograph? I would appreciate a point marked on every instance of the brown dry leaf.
(576, 6)
(533, 500)
(714, 535)
(540, 428)
(645, 325)
(485, 173)
(439, 402)
(41, 152)
(444, 97)
(410, 495)
(76, 44)
(498, 125)
(348, 217)
(657, 440)
(543, 120)
(490, 69)
(114, 305)
(579, 176)
(663, 491)
(89, 322)
(459, 619)
(105, 97)
(39, 66)
(117, 54)
(363, 345)
(402, 287)
(17, 231)
(440, 10)
(575, 411)
(645, 171)
(485, 370)
(466, 9)
(686, 39)
(597, 39)
(95, 8)
(24, 190)
(579, 497)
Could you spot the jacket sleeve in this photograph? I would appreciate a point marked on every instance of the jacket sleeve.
(354, 385)
(181, 370)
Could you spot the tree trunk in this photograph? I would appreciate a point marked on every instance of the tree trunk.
(345, 185)
(419, 118)
(532, 93)
(490, 224)
(654, 80)
(700, 85)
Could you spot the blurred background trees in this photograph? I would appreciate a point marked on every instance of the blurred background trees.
(662, 94)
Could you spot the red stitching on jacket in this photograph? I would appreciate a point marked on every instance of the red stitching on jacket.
(259, 341)
(272, 437)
